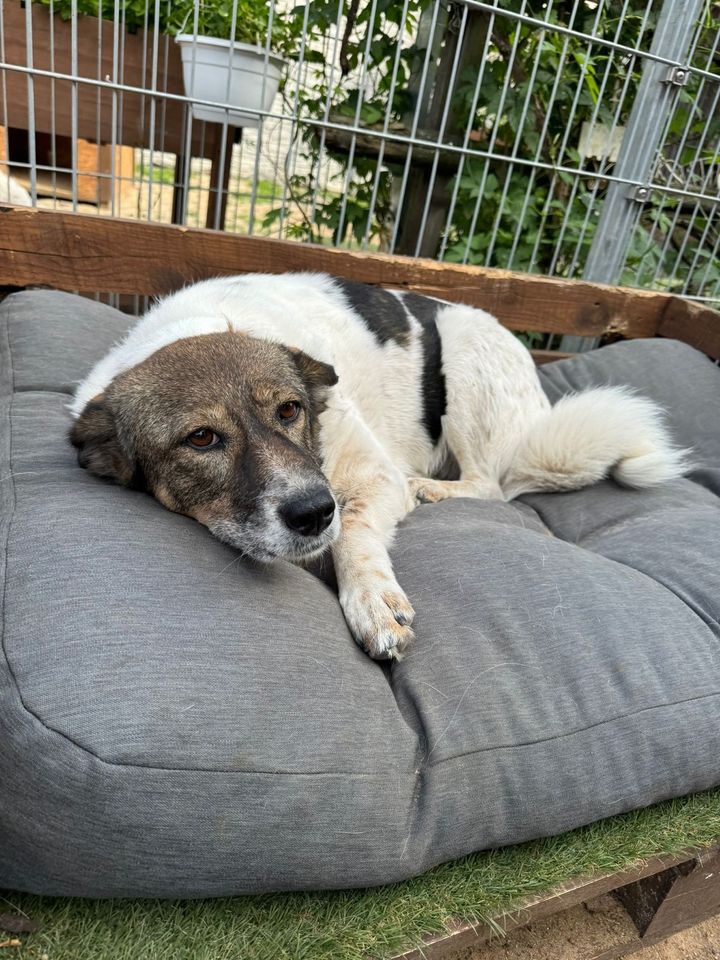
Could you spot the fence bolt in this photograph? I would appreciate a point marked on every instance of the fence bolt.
(640, 194)
(679, 76)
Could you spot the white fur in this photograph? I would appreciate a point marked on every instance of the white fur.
(587, 436)
(377, 455)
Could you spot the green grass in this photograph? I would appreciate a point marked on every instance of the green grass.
(264, 190)
(158, 174)
(356, 925)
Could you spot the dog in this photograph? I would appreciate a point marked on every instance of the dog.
(295, 413)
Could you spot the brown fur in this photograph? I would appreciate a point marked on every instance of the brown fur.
(135, 433)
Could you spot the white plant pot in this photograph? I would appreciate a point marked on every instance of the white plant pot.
(240, 75)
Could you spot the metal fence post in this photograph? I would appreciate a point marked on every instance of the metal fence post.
(641, 141)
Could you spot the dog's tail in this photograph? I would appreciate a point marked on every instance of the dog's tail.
(587, 436)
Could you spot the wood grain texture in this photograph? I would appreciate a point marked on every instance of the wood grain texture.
(52, 99)
(693, 897)
(692, 322)
(549, 356)
(98, 254)
(642, 898)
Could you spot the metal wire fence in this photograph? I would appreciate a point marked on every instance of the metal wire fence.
(566, 137)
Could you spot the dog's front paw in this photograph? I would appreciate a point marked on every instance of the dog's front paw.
(425, 490)
(379, 619)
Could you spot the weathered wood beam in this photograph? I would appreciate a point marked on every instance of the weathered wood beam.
(98, 254)
(676, 899)
(694, 323)
(682, 910)
(548, 356)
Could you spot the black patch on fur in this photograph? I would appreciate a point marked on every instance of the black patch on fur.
(315, 373)
(139, 480)
(250, 477)
(433, 383)
(318, 377)
(382, 312)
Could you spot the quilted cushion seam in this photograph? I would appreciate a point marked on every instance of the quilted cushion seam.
(579, 730)
(707, 619)
(712, 625)
(377, 774)
(34, 388)
(12, 500)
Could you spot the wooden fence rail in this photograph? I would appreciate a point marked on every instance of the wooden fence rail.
(91, 254)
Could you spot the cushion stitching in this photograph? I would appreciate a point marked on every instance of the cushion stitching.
(11, 514)
(708, 621)
(627, 523)
(12, 494)
(372, 773)
(36, 389)
(628, 566)
(612, 527)
(572, 733)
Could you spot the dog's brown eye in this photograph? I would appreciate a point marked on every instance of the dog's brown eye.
(289, 411)
(203, 439)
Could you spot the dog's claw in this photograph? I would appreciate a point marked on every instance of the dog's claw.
(379, 620)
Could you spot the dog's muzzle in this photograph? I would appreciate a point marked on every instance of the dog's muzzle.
(309, 514)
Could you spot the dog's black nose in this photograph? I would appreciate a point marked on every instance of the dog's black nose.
(309, 515)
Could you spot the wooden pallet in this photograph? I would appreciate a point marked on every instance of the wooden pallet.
(662, 896)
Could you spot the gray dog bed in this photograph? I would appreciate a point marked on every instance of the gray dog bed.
(177, 722)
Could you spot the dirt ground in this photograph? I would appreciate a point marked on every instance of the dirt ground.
(587, 931)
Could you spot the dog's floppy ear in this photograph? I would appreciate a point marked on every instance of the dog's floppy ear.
(315, 373)
(95, 435)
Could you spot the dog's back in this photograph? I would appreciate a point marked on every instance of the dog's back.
(384, 345)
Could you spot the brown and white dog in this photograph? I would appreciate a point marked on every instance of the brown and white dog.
(295, 413)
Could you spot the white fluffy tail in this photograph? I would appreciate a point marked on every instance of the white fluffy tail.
(587, 436)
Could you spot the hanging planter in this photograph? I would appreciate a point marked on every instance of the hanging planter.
(243, 75)
(226, 56)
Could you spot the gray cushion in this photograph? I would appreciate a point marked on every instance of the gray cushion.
(177, 722)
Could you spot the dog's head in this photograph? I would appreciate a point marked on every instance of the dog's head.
(223, 428)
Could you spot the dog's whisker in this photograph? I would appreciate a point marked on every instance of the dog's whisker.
(21, 473)
(232, 562)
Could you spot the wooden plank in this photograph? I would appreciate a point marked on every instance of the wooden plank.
(549, 356)
(94, 164)
(462, 935)
(642, 898)
(694, 323)
(53, 98)
(98, 254)
(664, 904)
(693, 896)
